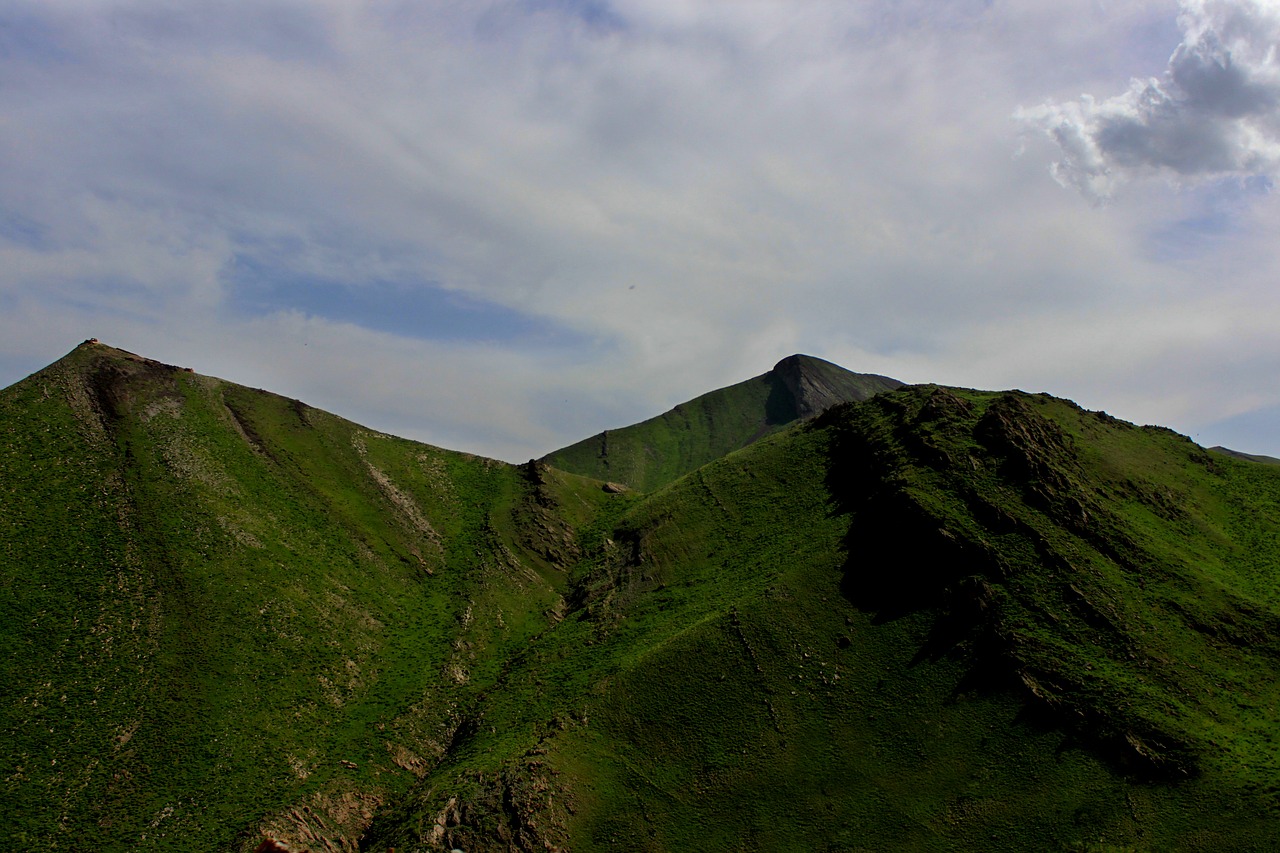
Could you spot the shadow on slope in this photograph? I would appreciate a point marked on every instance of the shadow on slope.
(1087, 564)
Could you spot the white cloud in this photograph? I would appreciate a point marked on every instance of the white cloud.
(1215, 111)
(680, 194)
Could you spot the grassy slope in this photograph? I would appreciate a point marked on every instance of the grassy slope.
(653, 453)
(1126, 573)
(213, 596)
(939, 620)
(1248, 457)
(1061, 636)
(657, 451)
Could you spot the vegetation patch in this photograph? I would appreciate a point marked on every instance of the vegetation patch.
(931, 619)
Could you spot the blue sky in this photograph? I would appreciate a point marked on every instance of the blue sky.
(410, 309)
(503, 226)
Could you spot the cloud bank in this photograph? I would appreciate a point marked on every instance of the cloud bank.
(503, 225)
(1215, 111)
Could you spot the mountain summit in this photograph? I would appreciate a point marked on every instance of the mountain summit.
(812, 385)
(653, 453)
(935, 619)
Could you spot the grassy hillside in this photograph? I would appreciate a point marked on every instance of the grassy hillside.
(655, 452)
(226, 611)
(1251, 457)
(935, 620)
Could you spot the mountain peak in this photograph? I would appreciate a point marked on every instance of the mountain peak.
(655, 452)
(1019, 607)
(799, 359)
(816, 385)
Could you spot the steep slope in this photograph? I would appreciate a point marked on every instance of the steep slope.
(655, 452)
(935, 620)
(228, 615)
(1124, 577)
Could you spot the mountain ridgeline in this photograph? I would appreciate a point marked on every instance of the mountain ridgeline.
(655, 452)
(821, 618)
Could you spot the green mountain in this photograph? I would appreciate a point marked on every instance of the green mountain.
(653, 453)
(1252, 457)
(936, 619)
(227, 613)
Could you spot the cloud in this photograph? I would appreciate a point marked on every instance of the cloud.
(501, 226)
(1215, 111)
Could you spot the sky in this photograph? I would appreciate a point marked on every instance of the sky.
(501, 226)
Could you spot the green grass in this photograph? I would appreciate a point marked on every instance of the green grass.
(699, 680)
(253, 592)
(936, 620)
(655, 452)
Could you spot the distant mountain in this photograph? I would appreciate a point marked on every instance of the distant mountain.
(935, 619)
(655, 452)
(1252, 457)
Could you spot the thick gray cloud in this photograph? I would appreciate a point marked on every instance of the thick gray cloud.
(1215, 111)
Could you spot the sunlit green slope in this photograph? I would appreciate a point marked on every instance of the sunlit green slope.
(937, 620)
(655, 452)
(225, 612)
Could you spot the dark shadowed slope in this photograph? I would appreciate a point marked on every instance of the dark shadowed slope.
(651, 454)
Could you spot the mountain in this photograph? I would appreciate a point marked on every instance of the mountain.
(1252, 457)
(228, 613)
(936, 619)
(653, 453)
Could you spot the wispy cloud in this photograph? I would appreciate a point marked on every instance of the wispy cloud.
(547, 217)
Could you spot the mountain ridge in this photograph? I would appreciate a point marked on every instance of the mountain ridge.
(654, 452)
(936, 619)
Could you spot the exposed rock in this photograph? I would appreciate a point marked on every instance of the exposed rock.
(330, 820)
(272, 846)
(816, 385)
